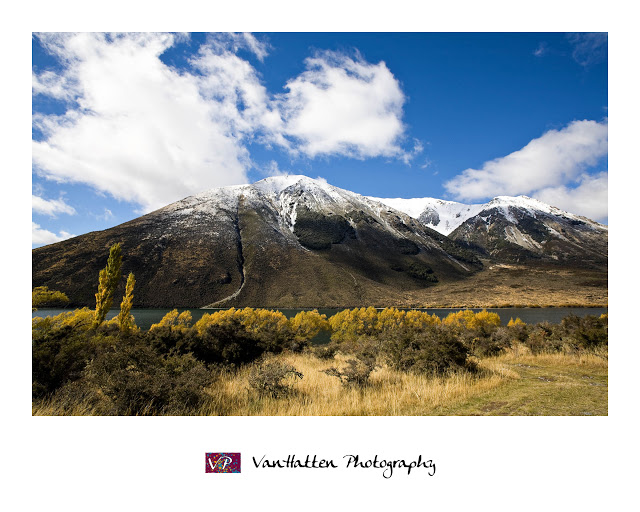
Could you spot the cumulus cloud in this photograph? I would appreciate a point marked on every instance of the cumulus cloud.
(556, 158)
(344, 106)
(135, 128)
(40, 236)
(56, 86)
(50, 207)
(237, 98)
(145, 132)
(589, 198)
(589, 48)
(233, 41)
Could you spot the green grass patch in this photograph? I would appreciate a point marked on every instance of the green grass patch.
(548, 386)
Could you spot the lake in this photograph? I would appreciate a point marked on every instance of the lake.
(146, 317)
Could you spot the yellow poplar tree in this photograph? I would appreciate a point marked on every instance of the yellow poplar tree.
(108, 281)
(125, 320)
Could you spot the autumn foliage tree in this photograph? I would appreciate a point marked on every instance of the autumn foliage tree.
(125, 318)
(108, 281)
(350, 324)
(174, 321)
(42, 296)
(483, 321)
(305, 326)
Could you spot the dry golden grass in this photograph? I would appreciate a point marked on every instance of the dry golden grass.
(514, 383)
(317, 394)
(50, 407)
(521, 354)
(517, 286)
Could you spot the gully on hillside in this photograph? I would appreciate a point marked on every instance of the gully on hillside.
(291, 241)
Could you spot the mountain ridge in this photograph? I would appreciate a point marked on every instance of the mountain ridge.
(282, 241)
(461, 212)
(292, 241)
(511, 229)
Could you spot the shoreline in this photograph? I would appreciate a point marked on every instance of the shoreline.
(311, 308)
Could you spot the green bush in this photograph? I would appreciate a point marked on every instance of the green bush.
(59, 356)
(357, 371)
(166, 339)
(435, 349)
(544, 337)
(518, 329)
(229, 344)
(269, 378)
(138, 381)
(497, 342)
(325, 352)
(587, 332)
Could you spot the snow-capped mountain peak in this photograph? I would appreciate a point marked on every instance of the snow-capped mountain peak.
(438, 214)
(446, 216)
(297, 241)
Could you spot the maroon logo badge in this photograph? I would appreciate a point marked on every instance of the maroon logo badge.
(222, 463)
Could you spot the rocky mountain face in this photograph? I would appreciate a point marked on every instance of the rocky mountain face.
(287, 241)
(514, 229)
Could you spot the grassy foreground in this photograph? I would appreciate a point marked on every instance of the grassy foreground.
(259, 362)
(513, 383)
(553, 384)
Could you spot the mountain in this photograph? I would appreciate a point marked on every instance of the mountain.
(514, 229)
(286, 241)
(438, 214)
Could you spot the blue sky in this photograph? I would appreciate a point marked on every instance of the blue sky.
(125, 123)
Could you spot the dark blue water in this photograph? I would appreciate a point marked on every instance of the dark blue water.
(145, 317)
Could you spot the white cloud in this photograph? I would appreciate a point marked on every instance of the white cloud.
(589, 198)
(40, 236)
(272, 169)
(555, 159)
(257, 47)
(234, 41)
(344, 106)
(136, 128)
(418, 148)
(50, 207)
(589, 48)
(105, 216)
(238, 100)
(60, 87)
(151, 134)
(541, 49)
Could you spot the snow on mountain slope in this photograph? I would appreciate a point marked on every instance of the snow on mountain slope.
(293, 241)
(438, 214)
(446, 216)
(522, 221)
(285, 195)
(287, 241)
